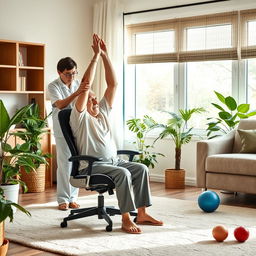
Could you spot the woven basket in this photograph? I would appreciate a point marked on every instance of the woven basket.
(35, 180)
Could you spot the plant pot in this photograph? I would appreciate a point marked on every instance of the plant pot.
(35, 180)
(11, 192)
(4, 247)
(174, 178)
(4, 243)
(1, 233)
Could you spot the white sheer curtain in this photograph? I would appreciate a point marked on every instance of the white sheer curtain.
(108, 24)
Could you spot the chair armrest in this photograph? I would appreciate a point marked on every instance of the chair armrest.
(205, 148)
(130, 153)
(87, 158)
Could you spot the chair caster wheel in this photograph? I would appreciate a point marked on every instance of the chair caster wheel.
(135, 220)
(108, 228)
(64, 224)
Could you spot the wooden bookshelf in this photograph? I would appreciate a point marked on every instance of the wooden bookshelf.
(22, 66)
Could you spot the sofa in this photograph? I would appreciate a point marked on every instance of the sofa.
(228, 162)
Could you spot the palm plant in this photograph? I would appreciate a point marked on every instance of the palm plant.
(176, 128)
(141, 127)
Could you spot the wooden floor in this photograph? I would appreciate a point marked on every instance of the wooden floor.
(157, 189)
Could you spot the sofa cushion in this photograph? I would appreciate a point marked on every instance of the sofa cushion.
(245, 124)
(248, 140)
(240, 164)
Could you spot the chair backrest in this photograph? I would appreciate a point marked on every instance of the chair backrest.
(64, 117)
(245, 124)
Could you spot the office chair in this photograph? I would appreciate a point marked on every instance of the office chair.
(95, 182)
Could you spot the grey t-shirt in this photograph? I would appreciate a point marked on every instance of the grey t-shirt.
(93, 135)
(57, 90)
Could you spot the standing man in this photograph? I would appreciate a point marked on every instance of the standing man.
(90, 125)
(63, 93)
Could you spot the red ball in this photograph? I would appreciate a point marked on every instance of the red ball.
(220, 233)
(241, 234)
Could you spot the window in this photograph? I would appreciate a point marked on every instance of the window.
(179, 63)
(251, 83)
(156, 42)
(154, 90)
(203, 78)
(210, 37)
(251, 32)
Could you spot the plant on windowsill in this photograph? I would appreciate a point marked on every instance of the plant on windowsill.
(34, 127)
(228, 116)
(176, 128)
(141, 127)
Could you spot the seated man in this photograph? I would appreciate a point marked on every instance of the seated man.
(91, 128)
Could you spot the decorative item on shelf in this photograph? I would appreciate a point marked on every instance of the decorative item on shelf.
(141, 127)
(176, 128)
(228, 119)
(34, 127)
(22, 83)
(21, 63)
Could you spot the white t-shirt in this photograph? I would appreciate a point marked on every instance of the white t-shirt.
(57, 90)
(93, 135)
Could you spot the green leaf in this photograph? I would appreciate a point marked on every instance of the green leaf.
(218, 107)
(220, 97)
(242, 116)
(231, 103)
(243, 108)
(4, 119)
(225, 115)
(253, 113)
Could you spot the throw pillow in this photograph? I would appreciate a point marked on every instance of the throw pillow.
(248, 140)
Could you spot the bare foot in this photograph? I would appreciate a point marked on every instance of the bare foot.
(130, 227)
(146, 219)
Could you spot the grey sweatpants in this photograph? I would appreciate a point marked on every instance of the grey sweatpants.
(128, 176)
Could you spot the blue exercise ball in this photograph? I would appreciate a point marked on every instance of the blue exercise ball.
(208, 201)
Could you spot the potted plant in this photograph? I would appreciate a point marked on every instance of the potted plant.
(141, 127)
(176, 128)
(6, 210)
(34, 127)
(228, 116)
(12, 157)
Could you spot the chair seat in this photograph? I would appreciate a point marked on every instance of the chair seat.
(236, 163)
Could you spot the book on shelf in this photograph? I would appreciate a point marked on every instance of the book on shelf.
(22, 83)
(21, 63)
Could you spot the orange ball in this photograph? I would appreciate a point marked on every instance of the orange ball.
(220, 233)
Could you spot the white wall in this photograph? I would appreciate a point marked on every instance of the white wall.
(166, 146)
(64, 26)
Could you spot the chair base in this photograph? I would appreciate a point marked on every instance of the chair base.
(103, 212)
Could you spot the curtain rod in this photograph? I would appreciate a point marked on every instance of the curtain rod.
(175, 6)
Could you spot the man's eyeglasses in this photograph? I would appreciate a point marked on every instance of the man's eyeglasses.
(68, 75)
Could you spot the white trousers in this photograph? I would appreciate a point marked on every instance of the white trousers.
(66, 193)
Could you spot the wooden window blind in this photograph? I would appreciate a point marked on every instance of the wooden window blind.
(222, 36)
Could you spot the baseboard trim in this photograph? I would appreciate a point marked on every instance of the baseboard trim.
(160, 178)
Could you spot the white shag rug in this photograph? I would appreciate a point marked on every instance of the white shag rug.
(187, 231)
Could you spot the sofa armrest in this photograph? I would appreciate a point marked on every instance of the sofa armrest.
(205, 148)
